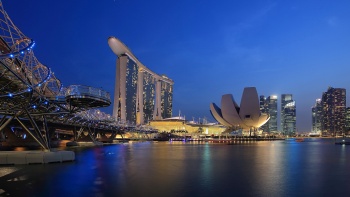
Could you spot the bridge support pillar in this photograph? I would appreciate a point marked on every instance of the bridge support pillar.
(75, 134)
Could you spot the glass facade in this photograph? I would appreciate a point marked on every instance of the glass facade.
(131, 90)
(166, 99)
(140, 95)
(347, 122)
(317, 117)
(263, 109)
(269, 105)
(334, 111)
(272, 105)
(148, 96)
(288, 115)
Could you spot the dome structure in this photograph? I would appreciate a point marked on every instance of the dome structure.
(246, 116)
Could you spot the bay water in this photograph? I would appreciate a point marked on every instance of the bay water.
(314, 167)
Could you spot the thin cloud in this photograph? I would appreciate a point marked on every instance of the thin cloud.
(233, 34)
(254, 19)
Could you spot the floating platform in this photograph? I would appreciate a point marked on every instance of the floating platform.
(35, 157)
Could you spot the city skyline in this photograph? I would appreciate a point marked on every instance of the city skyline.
(297, 47)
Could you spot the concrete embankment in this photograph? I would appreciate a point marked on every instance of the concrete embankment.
(35, 157)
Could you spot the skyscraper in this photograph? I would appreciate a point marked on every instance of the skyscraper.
(140, 95)
(149, 90)
(263, 109)
(166, 98)
(334, 111)
(272, 123)
(347, 122)
(125, 101)
(317, 117)
(269, 105)
(288, 115)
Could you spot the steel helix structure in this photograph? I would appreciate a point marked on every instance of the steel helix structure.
(21, 74)
(30, 91)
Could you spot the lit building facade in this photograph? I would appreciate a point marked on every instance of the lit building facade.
(167, 125)
(149, 94)
(334, 111)
(269, 105)
(347, 121)
(317, 117)
(272, 106)
(140, 95)
(264, 109)
(166, 99)
(288, 115)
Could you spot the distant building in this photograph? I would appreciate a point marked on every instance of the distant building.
(269, 105)
(288, 115)
(187, 127)
(272, 104)
(317, 117)
(264, 109)
(140, 95)
(347, 121)
(334, 111)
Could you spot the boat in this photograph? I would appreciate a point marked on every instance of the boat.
(299, 139)
(343, 142)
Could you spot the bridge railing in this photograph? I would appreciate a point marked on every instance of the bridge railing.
(81, 90)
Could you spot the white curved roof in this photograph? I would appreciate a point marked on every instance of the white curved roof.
(216, 112)
(246, 116)
(120, 48)
(228, 109)
(250, 107)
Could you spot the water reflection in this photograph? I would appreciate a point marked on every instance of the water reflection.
(277, 168)
(269, 173)
(206, 168)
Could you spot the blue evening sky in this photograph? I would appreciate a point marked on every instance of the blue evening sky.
(209, 48)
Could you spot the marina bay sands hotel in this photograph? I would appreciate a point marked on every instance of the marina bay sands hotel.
(140, 95)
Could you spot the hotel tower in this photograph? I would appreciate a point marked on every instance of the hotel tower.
(140, 95)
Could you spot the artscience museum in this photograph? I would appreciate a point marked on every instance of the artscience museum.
(247, 116)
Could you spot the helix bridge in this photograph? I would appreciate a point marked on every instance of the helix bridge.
(32, 97)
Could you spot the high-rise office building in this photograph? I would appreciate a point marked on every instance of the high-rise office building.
(140, 95)
(334, 111)
(288, 115)
(272, 123)
(317, 117)
(347, 121)
(269, 105)
(262, 102)
(263, 109)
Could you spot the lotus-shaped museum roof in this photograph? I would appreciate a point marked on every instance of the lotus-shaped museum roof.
(246, 116)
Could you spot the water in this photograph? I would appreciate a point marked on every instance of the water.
(315, 167)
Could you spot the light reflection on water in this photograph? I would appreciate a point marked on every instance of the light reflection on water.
(270, 168)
